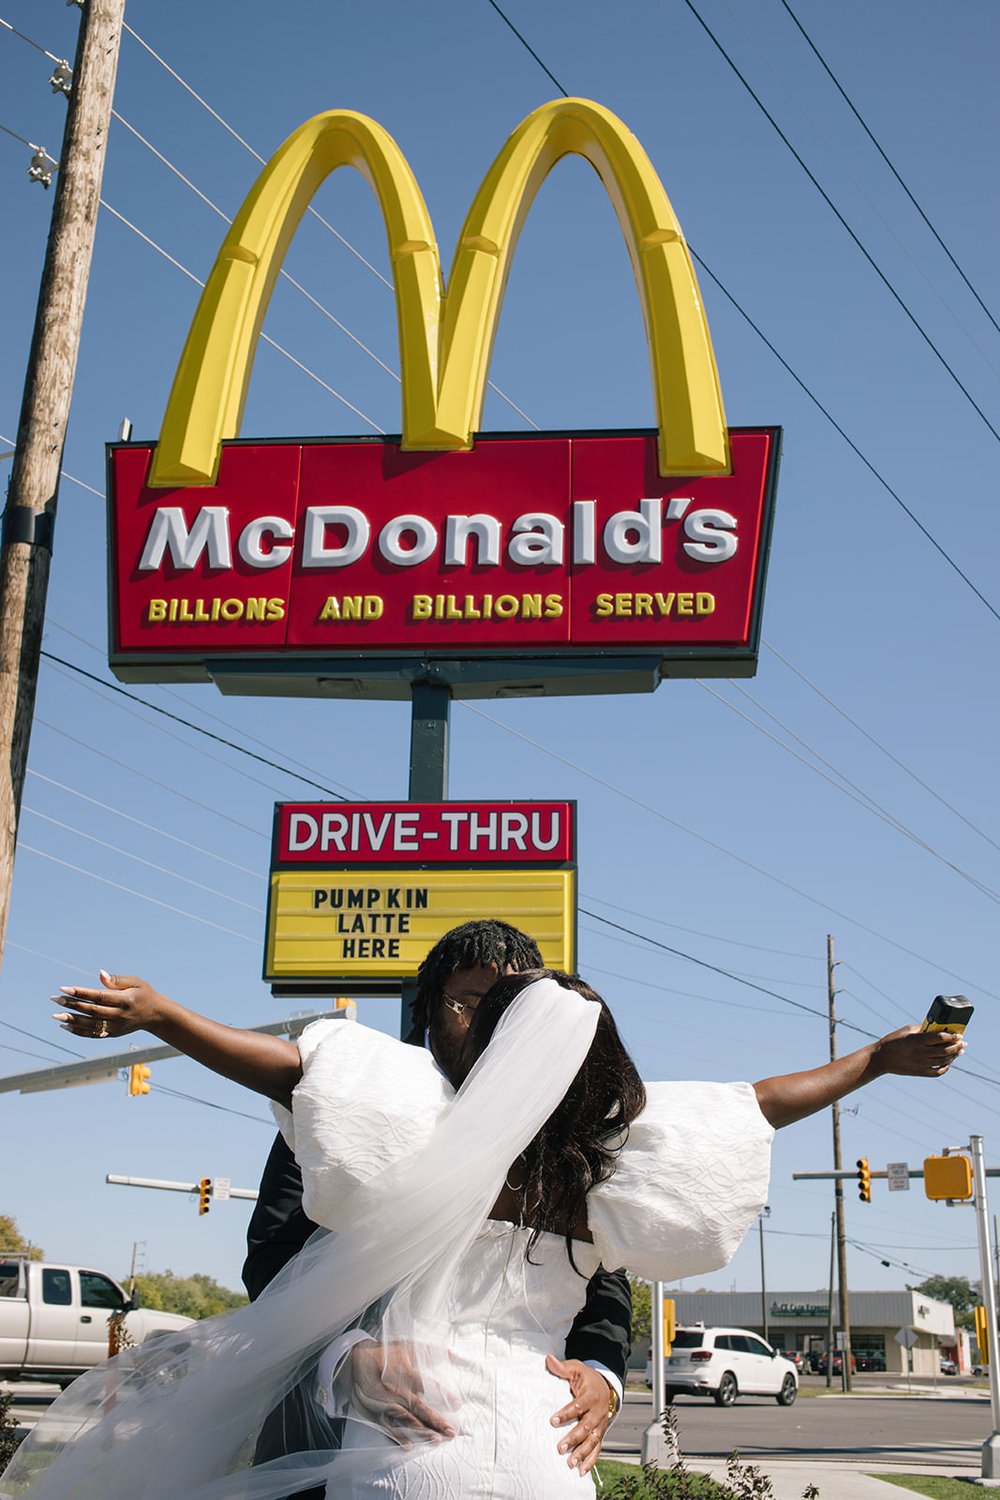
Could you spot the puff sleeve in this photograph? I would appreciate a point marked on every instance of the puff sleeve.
(364, 1102)
(689, 1182)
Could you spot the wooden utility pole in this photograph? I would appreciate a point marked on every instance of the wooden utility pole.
(838, 1186)
(29, 519)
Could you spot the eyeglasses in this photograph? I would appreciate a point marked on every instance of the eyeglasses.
(460, 1007)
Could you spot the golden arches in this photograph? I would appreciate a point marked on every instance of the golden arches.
(446, 338)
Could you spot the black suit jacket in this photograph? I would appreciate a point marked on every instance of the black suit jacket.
(279, 1228)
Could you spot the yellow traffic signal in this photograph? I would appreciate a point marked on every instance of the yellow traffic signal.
(204, 1194)
(138, 1079)
(669, 1323)
(948, 1177)
(864, 1180)
(982, 1334)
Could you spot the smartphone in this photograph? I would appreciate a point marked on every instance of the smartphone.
(948, 1013)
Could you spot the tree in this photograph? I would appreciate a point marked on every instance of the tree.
(13, 1241)
(642, 1325)
(963, 1295)
(196, 1296)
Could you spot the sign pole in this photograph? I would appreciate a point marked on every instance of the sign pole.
(991, 1447)
(430, 722)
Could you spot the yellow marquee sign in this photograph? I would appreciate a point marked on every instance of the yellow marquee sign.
(380, 923)
(446, 337)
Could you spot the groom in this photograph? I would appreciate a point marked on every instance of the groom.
(452, 979)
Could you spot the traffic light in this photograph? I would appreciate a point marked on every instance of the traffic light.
(138, 1079)
(982, 1334)
(669, 1323)
(864, 1180)
(204, 1194)
(948, 1177)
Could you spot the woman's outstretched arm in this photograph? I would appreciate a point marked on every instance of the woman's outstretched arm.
(920, 1054)
(267, 1064)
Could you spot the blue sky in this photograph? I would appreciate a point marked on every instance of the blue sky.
(707, 821)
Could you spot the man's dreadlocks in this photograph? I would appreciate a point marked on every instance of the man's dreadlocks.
(491, 944)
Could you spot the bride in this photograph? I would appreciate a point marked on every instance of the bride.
(471, 1209)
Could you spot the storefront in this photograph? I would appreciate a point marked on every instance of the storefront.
(881, 1324)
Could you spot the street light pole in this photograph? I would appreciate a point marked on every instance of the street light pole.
(765, 1213)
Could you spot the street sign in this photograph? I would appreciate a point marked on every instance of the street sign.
(360, 891)
(898, 1173)
(220, 1189)
(843, 1340)
(906, 1337)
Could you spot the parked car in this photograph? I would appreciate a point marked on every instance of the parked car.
(725, 1363)
(981, 1370)
(54, 1319)
(838, 1363)
(948, 1366)
(794, 1357)
(871, 1361)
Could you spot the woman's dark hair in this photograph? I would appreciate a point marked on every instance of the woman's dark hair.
(579, 1143)
(488, 943)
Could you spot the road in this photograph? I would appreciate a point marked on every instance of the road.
(880, 1427)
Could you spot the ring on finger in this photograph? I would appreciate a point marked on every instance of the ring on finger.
(101, 1030)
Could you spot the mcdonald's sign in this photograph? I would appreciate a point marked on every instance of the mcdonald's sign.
(346, 565)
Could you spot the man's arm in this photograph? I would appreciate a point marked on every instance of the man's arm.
(278, 1226)
(909, 1051)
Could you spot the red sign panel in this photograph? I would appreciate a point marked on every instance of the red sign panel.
(545, 545)
(340, 834)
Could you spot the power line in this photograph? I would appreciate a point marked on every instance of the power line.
(131, 891)
(798, 379)
(310, 209)
(857, 115)
(715, 937)
(264, 337)
(879, 746)
(139, 823)
(946, 556)
(197, 728)
(702, 838)
(848, 789)
(842, 221)
(138, 859)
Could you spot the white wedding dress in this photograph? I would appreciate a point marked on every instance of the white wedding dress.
(402, 1173)
(690, 1180)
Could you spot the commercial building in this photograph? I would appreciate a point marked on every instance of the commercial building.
(881, 1323)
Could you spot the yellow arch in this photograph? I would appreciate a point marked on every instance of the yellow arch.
(446, 339)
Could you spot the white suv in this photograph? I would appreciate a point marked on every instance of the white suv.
(724, 1363)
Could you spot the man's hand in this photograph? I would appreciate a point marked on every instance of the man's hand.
(386, 1388)
(589, 1410)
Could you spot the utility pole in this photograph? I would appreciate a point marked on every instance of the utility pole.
(838, 1186)
(29, 519)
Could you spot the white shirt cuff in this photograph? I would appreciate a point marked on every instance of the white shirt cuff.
(613, 1382)
(326, 1371)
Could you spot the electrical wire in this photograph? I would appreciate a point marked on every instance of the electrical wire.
(197, 728)
(714, 937)
(310, 209)
(141, 895)
(91, 838)
(842, 783)
(861, 121)
(264, 337)
(879, 746)
(717, 847)
(946, 557)
(149, 827)
(842, 221)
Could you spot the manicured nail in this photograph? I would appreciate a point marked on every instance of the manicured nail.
(104, 976)
(65, 989)
(62, 1016)
(564, 1447)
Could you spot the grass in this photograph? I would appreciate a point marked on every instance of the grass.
(930, 1484)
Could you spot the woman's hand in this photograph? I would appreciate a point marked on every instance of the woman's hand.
(126, 1004)
(918, 1054)
(589, 1409)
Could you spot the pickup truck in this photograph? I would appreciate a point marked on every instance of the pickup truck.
(54, 1319)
